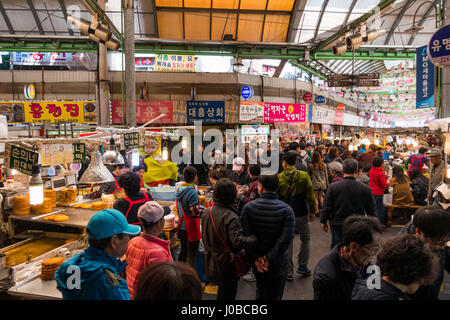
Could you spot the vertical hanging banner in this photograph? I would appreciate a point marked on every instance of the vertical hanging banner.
(79, 152)
(209, 112)
(20, 159)
(284, 112)
(424, 80)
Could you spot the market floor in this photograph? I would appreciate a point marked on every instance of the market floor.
(301, 287)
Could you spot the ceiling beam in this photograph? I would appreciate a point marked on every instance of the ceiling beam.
(213, 10)
(6, 18)
(350, 10)
(64, 11)
(421, 22)
(35, 16)
(280, 68)
(155, 18)
(296, 16)
(397, 21)
(322, 11)
(307, 69)
(352, 25)
(264, 22)
(237, 19)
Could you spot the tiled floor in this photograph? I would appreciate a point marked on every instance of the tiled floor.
(301, 287)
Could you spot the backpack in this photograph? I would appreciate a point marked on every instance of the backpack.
(415, 166)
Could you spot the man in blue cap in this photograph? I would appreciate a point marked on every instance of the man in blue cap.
(94, 273)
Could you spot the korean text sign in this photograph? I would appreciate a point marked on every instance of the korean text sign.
(209, 112)
(251, 112)
(22, 160)
(439, 47)
(424, 79)
(131, 140)
(79, 152)
(174, 63)
(58, 111)
(284, 112)
(145, 111)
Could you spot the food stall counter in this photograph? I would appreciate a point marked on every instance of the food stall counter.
(36, 289)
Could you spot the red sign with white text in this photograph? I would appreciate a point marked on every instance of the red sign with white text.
(284, 112)
(338, 117)
(145, 111)
(308, 97)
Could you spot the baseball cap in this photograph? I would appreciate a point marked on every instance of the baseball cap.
(152, 211)
(238, 163)
(109, 222)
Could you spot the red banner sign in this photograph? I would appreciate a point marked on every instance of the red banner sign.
(338, 117)
(284, 112)
(145, 111)
(340, 107)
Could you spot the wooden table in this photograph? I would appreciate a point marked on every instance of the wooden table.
(391, 207)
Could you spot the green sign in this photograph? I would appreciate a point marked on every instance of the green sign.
(22, 160)
(131, 140)
(79, 153)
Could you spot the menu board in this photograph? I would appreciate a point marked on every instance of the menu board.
(131, 140)
(20, 159)
(79, 152)
(53, 154)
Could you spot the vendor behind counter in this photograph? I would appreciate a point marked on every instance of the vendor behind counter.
(134, 199)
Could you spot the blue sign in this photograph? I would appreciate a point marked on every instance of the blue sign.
(209, 112)
(247, 92)
(320, 100)
(310, 113)
(439, 47)
(424, 79)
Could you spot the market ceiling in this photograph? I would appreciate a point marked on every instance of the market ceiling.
(309, 23)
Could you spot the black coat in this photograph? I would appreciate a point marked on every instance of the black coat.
(242, 179)
(386, 292)
(272, 222)
(345, 198)
(330, 281)
(123, 205)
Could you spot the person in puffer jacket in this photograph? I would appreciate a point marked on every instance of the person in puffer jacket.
(94, 273)
(147, 248)
(378, 186)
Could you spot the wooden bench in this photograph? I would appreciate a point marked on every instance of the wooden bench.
(391, 208)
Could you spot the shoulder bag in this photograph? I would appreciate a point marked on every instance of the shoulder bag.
(240, 260)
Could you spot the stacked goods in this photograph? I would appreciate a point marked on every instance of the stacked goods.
(49, 268)
(56, 218)
(108, 200)
(21, 205)
(169, 221)
(67, 195)
(99, 205)
(52, 195)
(44, 207)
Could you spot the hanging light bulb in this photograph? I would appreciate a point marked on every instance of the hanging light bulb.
(36, 186)
(184, 143)
(135, 160)
(351, 148)
(165, 154)
(448, 173)
(112, 156)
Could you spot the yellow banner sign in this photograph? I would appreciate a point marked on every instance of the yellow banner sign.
(49, 111)
(174, 63)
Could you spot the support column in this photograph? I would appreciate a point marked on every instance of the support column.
(445, 72)
(103, 112)
(130, 71)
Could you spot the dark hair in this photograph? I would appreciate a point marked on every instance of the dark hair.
(333, 153)
(433, 221)
(316, 161)
(214, 174)
(100, 244)
(360, 229)
(366, 166)
(142, 166)
(346, 155)
(377, 162)
(224, 192)
(224, 173)
(293, 146)
(269, 182)
(407, 259)
(423, 150)
(121, 166)
(350, 166)
(399, 174)
(189, 174)
(168, 281)
(302, 146)
(254, 169)
(130, 182)
(290, 157)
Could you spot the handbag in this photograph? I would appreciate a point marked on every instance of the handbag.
(240, 260)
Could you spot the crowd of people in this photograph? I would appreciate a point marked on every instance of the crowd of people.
(249, 230)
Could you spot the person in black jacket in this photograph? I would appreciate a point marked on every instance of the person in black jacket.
(345, 198)
(432, 223)
(130, 182)
(336, 273)
(272, 222)
(419, 186)
(405, 262)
